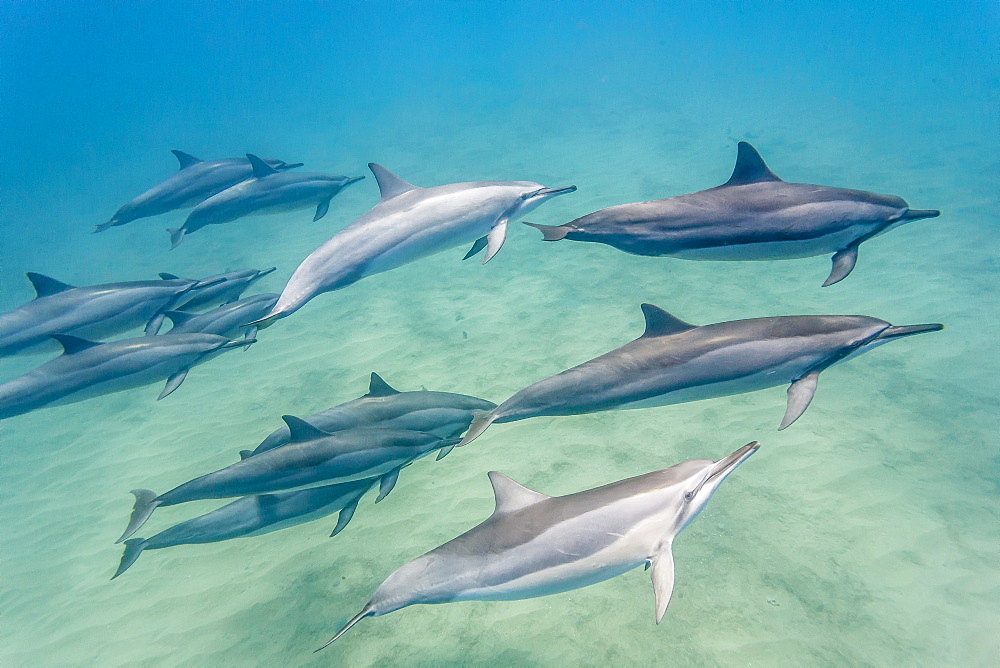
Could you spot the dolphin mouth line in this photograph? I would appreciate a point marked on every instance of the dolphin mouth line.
(898, 332)
(543, 192)
(727, 464)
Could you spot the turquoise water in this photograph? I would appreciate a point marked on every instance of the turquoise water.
(867, 533)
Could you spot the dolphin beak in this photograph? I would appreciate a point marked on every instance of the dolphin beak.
(265, 272)
(353, 179)
(552, 192)
(893, 332)
(918, 214)
(728, 464)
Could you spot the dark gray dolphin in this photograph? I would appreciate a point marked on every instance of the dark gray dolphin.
(227, 288)
(196, 181)
(674, 361)
(313, 456)
(536, 545)
(753, 216)
(269, 191)
(441, 413)
(92, 311)
(226, 320)
(255, 516)
(88, 369)
(410, 223)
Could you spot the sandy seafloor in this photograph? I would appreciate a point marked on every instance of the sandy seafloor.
(866, 534)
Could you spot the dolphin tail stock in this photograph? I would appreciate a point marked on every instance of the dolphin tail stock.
(368, 611)
(176, 236)
(133, 548)
(550, 232)
(146, 502)
(480, 421)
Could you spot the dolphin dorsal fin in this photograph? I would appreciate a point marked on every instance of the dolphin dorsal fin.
(379, 388)
(260, 168)
(511, 496)
(73, 344)
(179, 317)
(750, 167)
(46, 286)
(168, 277)
(300, 430)
(185, 159)
(661, 323)
(389, 185)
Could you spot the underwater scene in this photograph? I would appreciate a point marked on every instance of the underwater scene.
(499, 333)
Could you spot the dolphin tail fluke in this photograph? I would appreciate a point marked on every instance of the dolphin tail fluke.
(133, 548)
(444, 452)
(480, 421)
(550, 232)
(367, 612)
(176, 236)
(146, 502)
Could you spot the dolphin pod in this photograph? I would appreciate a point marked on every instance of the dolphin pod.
(269, 191)
(410, 223)
(256, 516)
(442, 413)
(535, 545)
(753, 216)
(194, 182)
(93, 311)
(674, 362)
(88, 369)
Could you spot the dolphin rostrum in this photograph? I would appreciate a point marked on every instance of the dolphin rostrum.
(269, 191)
(92, 311)
(88, 369)
(753, 216)
(256, 516)
(196, 181)
(227, 320)
(313, 456)
(409, 223)
(535, 545)
(441, 413)
(674, 361)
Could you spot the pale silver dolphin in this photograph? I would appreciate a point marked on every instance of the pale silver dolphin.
(92, 311)
(674, 361)
(196, 181)
(753, 216)
(256, 516)
(535, 545)
(269, 191)
(226, 320)
(441, 413)
(227, 288)
(89, 369)
(409, 223)
(312, 456)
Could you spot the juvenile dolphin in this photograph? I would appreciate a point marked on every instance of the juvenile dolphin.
(409, 223)
(226, 288)
(753, 216)
(196, 181)
(535, 545)
(313, 456)
(92, 311)
(226, 320)
(269, 191)
(256, 516)
(674, 361)
(442, 413)
(88, 369)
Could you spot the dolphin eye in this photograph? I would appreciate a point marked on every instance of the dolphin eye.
(689, 495)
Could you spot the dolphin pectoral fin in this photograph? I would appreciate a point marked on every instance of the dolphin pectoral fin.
(146, 502)
(133, 548)
(154, 324)
(176, 236)
(495, 239)
(386, 485)
(800, 393)
(444, 452)
(173, 383)
(550, 232)
(345, 516)
(245, 454)
(663, 578)
(843, 265)
(479, 245)
(480, 421)
(321, 210)
(367, 612)
(250, 334)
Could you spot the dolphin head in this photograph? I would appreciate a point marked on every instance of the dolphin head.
(701, 477)
(533, 196)
(864, 333)
(901, 211)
